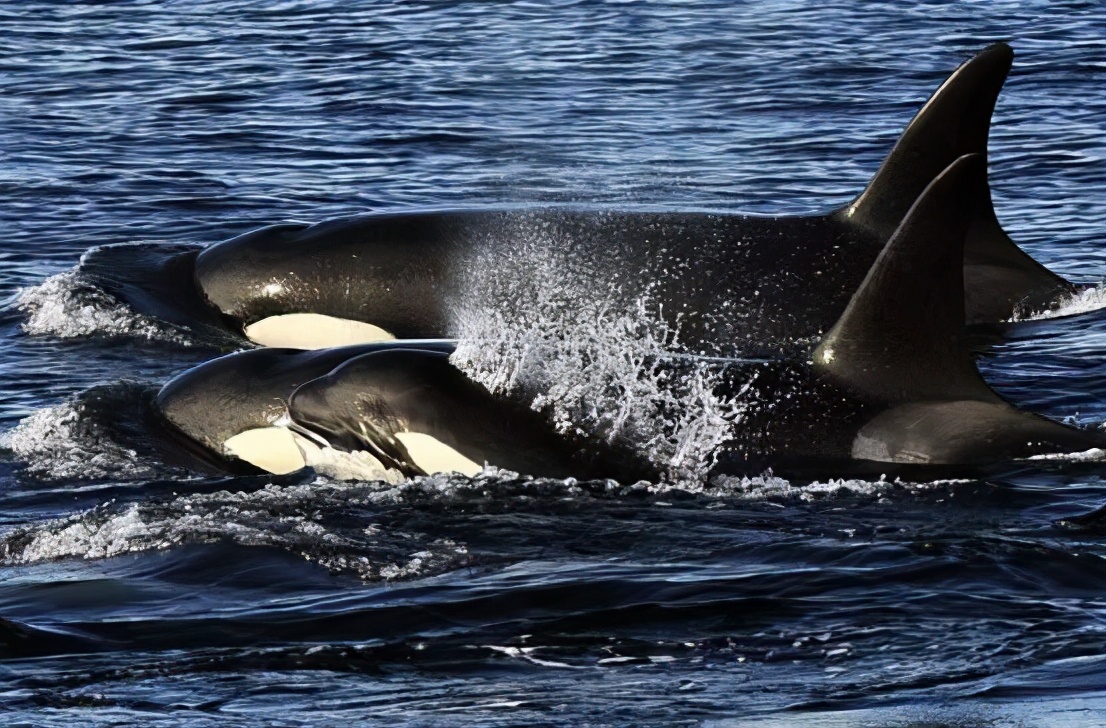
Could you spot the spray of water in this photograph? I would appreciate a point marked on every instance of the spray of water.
(1090, 299)
(66, 442)
(603, 362)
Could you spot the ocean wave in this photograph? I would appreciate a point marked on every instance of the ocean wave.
(284, 517)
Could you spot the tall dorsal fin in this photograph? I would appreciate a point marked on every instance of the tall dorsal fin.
(901, 337)
(1001, 279)
(954, 122)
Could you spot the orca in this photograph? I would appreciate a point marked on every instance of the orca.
(399, 405)
(731, 284)
(892, 383)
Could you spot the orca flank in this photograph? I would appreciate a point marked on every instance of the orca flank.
(893, 381)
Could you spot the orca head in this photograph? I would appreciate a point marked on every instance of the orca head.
(404, 406)
(236, 278)
(233, 409)
(340, 282)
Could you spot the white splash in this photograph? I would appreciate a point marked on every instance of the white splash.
(61, 443)
(770, 487)
(1090, 299)
(69, 306)
(1093, 455)
(341, 465)
(78, 537)
(533, 326)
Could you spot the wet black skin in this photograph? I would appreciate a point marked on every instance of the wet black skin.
(356, 398)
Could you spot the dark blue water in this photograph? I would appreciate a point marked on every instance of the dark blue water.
(133, 593)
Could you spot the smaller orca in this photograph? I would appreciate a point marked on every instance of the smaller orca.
(892, 382)
(733, 285)
(401, 404)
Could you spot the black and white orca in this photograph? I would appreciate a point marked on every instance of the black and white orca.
(400, 405)
(891, 382)
(732, 284)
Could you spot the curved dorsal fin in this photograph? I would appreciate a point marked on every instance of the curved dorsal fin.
(901, 337)
(954, 122)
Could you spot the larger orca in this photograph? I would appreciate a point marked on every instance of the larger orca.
(892, 382)
(729, 283)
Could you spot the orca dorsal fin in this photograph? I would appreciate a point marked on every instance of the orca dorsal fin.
(1001, 279)
(901, 337)
(954, 121)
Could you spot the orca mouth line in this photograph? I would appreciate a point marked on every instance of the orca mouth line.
(288, 423)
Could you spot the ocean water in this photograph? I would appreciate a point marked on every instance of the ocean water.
(134, 592)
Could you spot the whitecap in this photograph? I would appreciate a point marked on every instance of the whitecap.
(274, 516)
(64, 443)
(1093, 455)
(1084, 301)
(68, 305)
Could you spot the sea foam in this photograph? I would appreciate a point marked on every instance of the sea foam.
(1090, 299)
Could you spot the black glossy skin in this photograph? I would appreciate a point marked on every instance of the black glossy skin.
(890, 382)
(721, 278)
(815, 429)
(218, 399)
(875, 294)
(365, 401)
(358, 397)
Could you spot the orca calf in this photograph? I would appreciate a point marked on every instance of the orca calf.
(892, 382)
(732, 284)
(400, 405)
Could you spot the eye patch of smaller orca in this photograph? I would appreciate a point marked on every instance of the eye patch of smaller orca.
(734, 285)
